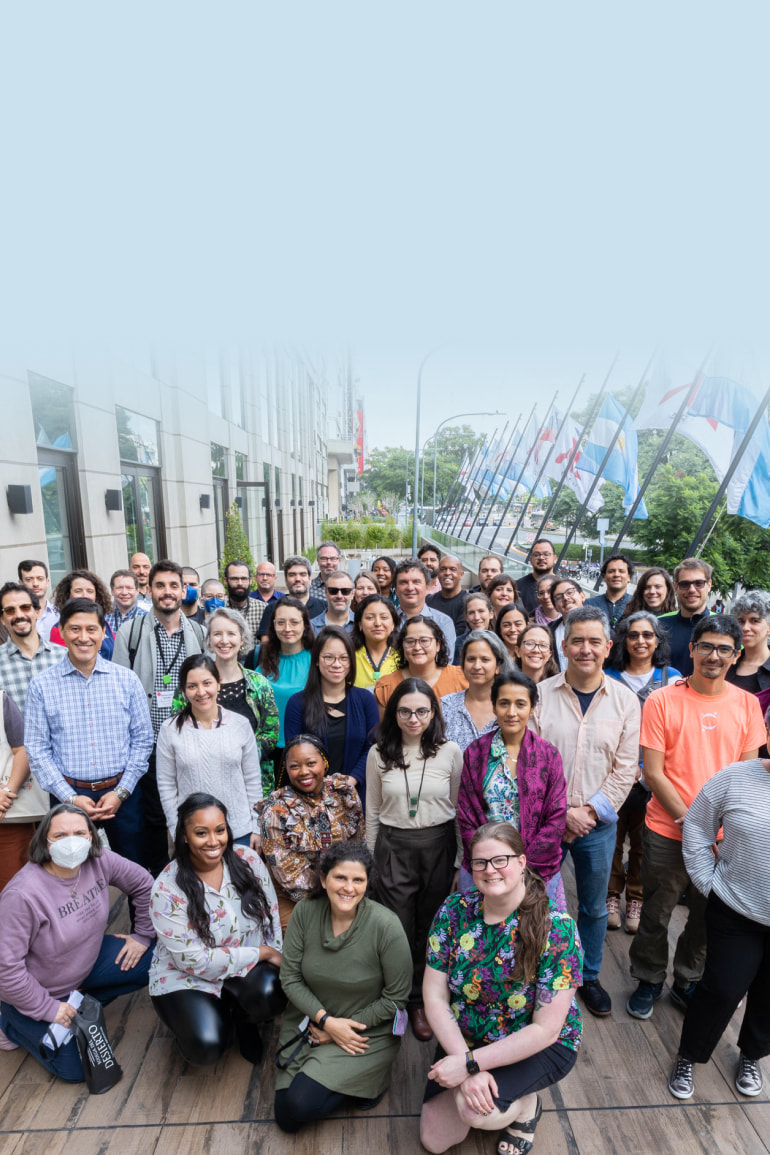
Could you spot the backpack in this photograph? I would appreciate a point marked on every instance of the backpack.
(133, 647)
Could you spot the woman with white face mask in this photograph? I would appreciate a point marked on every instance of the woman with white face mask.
(54, 915)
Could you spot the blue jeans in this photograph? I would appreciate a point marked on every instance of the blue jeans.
(105, 982)
(592, 859)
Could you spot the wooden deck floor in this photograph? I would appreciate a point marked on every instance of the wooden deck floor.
(615, 1100)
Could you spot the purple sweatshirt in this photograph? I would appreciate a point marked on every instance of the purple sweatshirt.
(51, 939)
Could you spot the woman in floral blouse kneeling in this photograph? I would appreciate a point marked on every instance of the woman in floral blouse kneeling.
(215, 970)
(506, 964)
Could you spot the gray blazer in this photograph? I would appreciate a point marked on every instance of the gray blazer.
(139, 634)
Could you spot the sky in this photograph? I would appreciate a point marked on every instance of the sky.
(527, 189)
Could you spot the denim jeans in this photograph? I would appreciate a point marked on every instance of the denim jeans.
(592, 859)
(105, 982)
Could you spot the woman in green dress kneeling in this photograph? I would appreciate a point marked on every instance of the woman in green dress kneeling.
(348, 967)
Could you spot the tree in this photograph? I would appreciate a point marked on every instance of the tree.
(236, 543)
(386, 475)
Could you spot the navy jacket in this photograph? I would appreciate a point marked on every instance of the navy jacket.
(362, 719)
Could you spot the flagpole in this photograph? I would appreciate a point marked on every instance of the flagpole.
(464, 495)
(689, 395)
(453, 489)
(461, 495)
(522, 468)
(502, 466)
(491, 482)
(729, 474)
(475, 497)
(572, 456)
(543, 468)
(605, 459)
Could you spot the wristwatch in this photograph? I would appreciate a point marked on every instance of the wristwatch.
(471, 1065)
(122, 793)
(72, 800)
(322, 1021)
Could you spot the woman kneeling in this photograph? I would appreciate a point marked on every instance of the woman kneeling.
(505, 964)
(219, 939)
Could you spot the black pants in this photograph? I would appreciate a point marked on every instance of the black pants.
(415, 870)
(203, 1024)
(306, 1101)
(737, 961)
(155, 829)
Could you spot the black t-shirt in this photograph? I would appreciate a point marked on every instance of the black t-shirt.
(336, 729)
(452, 607)
(527, 589)
(232, 695)
(585, 699)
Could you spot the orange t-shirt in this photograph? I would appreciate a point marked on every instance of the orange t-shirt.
(698, 736)
(451, 680)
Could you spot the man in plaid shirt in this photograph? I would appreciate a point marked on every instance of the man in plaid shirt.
(25, 654)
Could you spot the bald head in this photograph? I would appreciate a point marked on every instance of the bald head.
(450, 575)
(140, 565)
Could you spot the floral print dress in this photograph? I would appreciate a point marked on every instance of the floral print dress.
(478, 959)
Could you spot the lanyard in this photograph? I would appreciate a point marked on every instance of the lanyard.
(177, 652)
(378, 666)
(411, 801)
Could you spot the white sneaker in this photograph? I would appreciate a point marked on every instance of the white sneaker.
(748, 1077)
(6, 1044)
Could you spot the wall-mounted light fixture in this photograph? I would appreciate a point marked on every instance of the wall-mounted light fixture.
(19, 498)
(113, 500)
(205, 501)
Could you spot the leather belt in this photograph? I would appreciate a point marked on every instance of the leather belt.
(103, 784)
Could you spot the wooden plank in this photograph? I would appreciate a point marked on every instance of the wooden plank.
(214, 1139)
(213, 1094)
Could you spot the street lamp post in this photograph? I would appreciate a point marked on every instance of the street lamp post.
(434, 439)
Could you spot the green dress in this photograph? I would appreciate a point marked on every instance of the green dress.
(363, 974)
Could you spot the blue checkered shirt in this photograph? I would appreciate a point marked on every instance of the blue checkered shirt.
(115, 619)
(17, 671)
(87, 728)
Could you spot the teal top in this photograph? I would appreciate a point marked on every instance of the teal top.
(293, 670)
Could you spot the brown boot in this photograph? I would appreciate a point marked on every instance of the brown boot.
(420, 1025)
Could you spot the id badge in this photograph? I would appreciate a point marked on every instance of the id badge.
(399, 1022)
(164, 699)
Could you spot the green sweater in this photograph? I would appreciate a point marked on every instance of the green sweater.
(363, 974)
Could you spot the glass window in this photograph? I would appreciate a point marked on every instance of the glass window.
(137, 437)
(240, 467)
(141, 514)
(52, 413)
(57, 529)
(218, 464)
(277, 483)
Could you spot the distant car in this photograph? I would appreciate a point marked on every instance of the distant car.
(468, 522)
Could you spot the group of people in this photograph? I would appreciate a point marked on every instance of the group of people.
(348, 805)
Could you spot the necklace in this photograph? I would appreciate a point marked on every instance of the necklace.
(411, 801)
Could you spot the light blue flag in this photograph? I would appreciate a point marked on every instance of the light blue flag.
(621, 466)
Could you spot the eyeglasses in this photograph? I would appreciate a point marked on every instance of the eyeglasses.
(706, 649)
(646, 635)
(333, 660)
(499, 862)
(418, 643)
(543, 647)
(697, 583)
(338, 590)
(25, 607)
(541, 556)
(422, 712)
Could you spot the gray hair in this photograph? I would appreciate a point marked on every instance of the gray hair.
(752, 602)
(587, 614)
(496, 645)
(237, 620)
(298, 559)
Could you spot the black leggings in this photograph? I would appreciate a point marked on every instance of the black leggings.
(203, 1024)
(305, 1101)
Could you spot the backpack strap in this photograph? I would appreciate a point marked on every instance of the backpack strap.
(133, 647)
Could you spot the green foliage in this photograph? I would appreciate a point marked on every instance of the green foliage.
(386, 476)
(236, 543)
(367, 533)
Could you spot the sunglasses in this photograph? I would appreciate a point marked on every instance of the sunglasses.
(25, 608)
(339, 590)
(697, 583)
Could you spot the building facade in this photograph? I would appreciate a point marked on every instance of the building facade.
(104, 456)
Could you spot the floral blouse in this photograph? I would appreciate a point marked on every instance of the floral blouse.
(500, 788)
(181, 961)
(478, 958)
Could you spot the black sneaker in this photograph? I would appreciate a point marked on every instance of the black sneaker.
(681, 1082)
(640, 1005)
(680, 996)
(596, 999)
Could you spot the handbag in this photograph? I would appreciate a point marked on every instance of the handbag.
(101, 1069)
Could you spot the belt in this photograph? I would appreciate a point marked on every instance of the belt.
(103, 784)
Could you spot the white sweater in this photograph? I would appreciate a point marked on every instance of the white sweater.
(222, 761)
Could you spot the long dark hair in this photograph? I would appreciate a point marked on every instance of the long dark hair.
(637, 602)
(270, 650)
(343, 852)
(194, 662)
(313, 708)
(442, 654)
(390, 740)
(254, 902)
(357, 636)
(618, 656)
(534, 909)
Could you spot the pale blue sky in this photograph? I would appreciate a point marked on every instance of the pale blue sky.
(530, 187)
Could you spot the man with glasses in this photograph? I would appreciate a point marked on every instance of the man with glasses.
(339, 595)
(238, 584)
(692, 583)
(265, 594)
(542, 559)
(329, 560)
(25, 654)
(566, 596)
(593, 721)
(690, 730)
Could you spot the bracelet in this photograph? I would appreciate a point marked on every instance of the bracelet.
(322, 1021)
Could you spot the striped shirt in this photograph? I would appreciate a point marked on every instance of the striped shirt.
(17, 670)
(88, 728)
(737, 799)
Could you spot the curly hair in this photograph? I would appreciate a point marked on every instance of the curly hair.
(254, 903)
(343, 852)
(270, 650)
(62, 593)
(442, 656)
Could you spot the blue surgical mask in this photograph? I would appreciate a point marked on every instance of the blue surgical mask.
(212, 604)
(190, 596)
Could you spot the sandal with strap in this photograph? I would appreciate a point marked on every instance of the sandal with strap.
(514, 1143)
